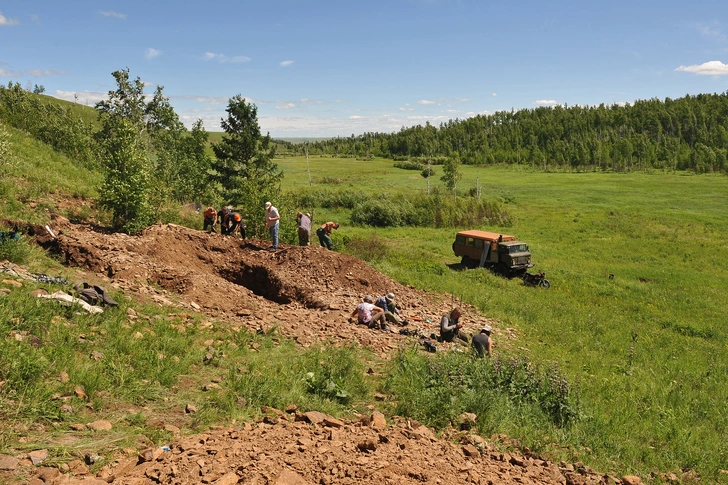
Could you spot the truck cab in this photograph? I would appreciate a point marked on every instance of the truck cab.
(501, 252)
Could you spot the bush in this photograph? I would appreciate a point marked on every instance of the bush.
(408, 165)
(368, 248)
(436, 390)
(14, 248)
(430, 211)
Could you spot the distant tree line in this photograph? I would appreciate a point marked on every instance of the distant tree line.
(689, 133)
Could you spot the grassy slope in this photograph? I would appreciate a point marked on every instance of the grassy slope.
(649, 347)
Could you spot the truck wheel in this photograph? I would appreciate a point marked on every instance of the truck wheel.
(545, 284)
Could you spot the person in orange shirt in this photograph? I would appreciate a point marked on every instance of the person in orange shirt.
(324, 234)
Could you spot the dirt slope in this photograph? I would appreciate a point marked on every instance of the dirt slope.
(308, 293)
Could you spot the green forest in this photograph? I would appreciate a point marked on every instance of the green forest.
(689, 133)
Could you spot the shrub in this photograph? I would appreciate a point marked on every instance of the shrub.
(14, 248)
(408, 165)
(368, 248)
(436, 390)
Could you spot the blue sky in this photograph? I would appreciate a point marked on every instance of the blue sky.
(336, 68)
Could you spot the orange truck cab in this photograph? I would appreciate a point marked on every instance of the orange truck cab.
(501, 252)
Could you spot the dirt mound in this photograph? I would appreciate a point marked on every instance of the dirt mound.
(314, 448)
(308, 293)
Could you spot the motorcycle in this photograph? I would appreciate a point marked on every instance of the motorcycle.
(536, 279)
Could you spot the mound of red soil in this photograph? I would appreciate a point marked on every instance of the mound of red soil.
(307, 292)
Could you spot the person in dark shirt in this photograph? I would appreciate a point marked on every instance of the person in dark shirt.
(391, 312)
(482, 343)
(450, 325)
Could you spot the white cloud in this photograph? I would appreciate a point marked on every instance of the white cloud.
(545, 102)
(206, 99)
(35, 19)
(286, 106)
(310, 101)
(425, 101)
(710, 68)
(88, 98)
(7, 21)
(47, 72)
(222, 58)
(116, 15)
(710, 32)
(4, 73)
(152, 53)
(209, 56)
(286, 63)
(494, 95)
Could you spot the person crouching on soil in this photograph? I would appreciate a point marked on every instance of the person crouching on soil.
(450, 326)
(324, 234)
(210, 219)
(370, 315)
(391, 312)
(482, 343)
(236, 224)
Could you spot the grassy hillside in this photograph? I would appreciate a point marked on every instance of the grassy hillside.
(636, 311)
(647, 348)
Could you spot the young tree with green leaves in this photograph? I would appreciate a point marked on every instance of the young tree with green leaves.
(244, 165)
(451, 173)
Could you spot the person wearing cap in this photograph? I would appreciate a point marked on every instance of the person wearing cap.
(210, 219)
(324, 234)
(450, 326)
(272, 222)
(304, 228)
(369, 314)
(391, 312)
(482, 343)
(235, 224)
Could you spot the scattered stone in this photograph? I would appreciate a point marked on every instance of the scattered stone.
(91, 458)
(631, 480)
(172, 429)
(77, 467)
(190, 409)
(77, 426)
(291, 408)
(380, 397)
(80, 392)
(314, 417)
(63, 377)
(289, 477)
(100, 425)
(368, 445)
(38, 456)
(467, 421)
(378, 421)
(470, 450)
(8, 462)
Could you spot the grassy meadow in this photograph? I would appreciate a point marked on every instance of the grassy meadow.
(634, 320)
(636, 312)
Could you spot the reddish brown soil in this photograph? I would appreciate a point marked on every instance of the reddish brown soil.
(308, 293)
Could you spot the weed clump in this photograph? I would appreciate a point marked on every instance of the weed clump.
(438, 390)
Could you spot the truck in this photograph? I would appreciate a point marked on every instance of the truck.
(500, 252)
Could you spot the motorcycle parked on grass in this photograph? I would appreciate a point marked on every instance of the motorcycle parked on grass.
(536, 279)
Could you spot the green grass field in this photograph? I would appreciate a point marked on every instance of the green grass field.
(647, 346)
